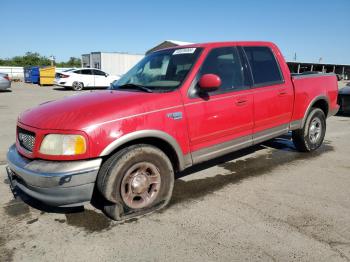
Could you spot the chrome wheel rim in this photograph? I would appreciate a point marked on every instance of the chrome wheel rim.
(140, 185)
(315, 130)
(77, 86)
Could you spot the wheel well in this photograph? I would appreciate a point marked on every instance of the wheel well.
(321, 104)
(157, 142)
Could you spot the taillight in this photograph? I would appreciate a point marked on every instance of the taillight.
(7, 78)
(64, 76)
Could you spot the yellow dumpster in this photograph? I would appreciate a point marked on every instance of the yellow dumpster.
(47, 75)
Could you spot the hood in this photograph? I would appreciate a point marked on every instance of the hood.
(80, 111)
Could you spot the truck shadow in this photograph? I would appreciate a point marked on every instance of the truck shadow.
(281, 151)
(283, 143)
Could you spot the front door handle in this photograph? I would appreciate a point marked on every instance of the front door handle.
(282, 92)
(241, 101)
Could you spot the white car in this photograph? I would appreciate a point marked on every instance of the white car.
(78, 79)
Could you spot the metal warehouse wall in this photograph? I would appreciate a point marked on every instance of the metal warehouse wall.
(95, 60)
(12, 71)
(85, 60)
(118, 63)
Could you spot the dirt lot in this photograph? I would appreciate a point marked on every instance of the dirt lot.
(266, 203)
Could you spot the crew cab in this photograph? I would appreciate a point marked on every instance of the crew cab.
(176, 108)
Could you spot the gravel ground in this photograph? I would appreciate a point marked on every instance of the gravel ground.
(267, 203)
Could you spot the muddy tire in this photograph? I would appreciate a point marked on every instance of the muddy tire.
(136, 181)
(77, 86)
(311, 136)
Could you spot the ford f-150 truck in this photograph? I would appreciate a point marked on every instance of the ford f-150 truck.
(177, 107)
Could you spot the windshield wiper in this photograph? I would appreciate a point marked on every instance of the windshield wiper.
(136, 86)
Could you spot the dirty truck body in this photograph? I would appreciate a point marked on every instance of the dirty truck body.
(176, 108)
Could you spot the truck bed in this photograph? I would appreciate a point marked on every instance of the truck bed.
(309, 88)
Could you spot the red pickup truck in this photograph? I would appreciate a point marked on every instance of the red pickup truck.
(177, 107)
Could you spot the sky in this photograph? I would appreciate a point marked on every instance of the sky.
(312, 29)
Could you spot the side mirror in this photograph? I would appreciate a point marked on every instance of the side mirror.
(106, 74)
(209, 82)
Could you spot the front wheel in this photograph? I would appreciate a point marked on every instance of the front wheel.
(311, 136)
(136, 180)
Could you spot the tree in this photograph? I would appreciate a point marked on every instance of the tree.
(72, 62)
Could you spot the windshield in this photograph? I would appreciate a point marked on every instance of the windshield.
(161, 71)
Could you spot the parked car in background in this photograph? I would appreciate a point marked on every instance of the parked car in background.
(176, 108)
(78, 79)
(5, 81)
(344, 99)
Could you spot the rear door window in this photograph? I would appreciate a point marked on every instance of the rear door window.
(263, 64)
(86, 72)
(99, 73)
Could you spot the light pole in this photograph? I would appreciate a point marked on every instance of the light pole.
(52, 59)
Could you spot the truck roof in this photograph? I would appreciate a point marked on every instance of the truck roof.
(227, 43)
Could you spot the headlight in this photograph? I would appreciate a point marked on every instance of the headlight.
(67, 145)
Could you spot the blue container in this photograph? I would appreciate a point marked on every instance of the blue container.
(31, 74)
(35, 75)
(27, 74)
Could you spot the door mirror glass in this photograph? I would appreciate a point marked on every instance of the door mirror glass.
(209, 82)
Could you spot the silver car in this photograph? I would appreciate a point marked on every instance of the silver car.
(4, 81)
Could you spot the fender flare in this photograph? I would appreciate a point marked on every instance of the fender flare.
(184, 161)
(313, 101)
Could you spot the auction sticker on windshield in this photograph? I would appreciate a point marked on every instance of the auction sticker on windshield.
(184, 51)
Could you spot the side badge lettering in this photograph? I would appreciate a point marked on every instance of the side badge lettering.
(175, 115)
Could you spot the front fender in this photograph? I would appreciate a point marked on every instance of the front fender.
(184, 160)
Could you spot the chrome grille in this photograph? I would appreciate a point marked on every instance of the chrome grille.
(26, 139)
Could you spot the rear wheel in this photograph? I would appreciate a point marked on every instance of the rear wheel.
(311, 136)
(136, 180)
(77, 86)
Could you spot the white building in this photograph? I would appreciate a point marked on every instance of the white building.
(112, 63)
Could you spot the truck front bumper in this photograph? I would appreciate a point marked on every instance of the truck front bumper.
(55, 183)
